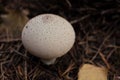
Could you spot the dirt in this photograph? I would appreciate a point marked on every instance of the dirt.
(97, 28)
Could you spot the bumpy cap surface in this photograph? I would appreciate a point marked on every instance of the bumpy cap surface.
(48, 36)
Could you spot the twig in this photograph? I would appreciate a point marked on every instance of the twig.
(105, 61)
(1, 46)
(26, 66)
(19, 53)
(87, 46)
(108, 56)
(10, 40)
(7, 34)
(70, 67)
(102, 45)
(2, 70)
(80, 19)
(68, 2)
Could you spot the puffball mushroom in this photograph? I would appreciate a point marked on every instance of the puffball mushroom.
(48, 36)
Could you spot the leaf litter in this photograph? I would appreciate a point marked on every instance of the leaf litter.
(96, 25)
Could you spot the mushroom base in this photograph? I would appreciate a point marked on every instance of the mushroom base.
(48, 61)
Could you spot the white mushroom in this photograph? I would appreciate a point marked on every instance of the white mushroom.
(48, 36)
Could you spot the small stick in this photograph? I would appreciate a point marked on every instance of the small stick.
(19, 53)
(68, 69)
(68, 2)
(80, 19)
(26, 66)
(105, 61)
(108, 56)
(102, 45)
(10, 40)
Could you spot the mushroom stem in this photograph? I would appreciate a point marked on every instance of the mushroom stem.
(49, 61)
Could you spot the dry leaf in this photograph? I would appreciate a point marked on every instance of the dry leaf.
(13, 23)
(92, 72)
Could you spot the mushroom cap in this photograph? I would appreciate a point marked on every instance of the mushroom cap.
(48, 36)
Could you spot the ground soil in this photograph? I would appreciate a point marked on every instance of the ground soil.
(97, 27)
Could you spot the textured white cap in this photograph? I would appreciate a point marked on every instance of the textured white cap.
(48, 36)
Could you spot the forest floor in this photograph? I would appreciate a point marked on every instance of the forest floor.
(97, 29)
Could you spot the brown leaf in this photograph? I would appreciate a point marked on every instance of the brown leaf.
(13, 23)
(92, 72)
